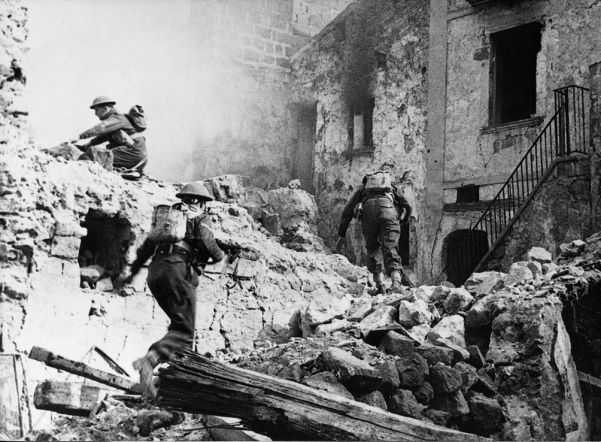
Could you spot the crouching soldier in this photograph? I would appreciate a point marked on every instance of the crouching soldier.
(380, 207)
(123, 132)
(172, 276)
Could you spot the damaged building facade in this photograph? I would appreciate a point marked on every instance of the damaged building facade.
(453, 95)
(375, 87)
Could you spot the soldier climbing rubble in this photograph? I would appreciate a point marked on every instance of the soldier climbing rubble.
(180, 240)
(123, 132)
(380, 207)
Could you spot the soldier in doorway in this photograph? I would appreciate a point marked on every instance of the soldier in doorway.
(381, 209)
(172, 279)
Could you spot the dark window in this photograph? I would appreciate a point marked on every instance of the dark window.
(514, 73)
(468, 194)
(362, 125)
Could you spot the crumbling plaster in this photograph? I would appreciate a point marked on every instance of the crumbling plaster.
(475, 152)
(399, 117)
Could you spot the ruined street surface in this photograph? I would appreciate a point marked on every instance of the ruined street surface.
(486, 113)
(492, 357)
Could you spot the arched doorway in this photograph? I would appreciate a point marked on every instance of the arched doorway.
(462, 251)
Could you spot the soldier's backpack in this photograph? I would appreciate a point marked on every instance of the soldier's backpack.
(380, 181)
(136, 117)
(168, 224)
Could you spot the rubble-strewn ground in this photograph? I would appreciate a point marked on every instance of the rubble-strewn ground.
(512, 318)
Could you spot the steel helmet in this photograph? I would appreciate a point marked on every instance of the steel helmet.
(196, 189)
(103, 99)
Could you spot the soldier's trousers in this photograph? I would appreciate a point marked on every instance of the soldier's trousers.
(173, 284)
(381, 229)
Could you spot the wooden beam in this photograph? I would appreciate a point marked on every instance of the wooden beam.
(589, 379)
(68, 397)
(283, 409)
(81, 369)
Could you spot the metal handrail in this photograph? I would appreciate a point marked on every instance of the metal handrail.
(564, 134)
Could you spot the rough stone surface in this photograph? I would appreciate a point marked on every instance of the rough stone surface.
(414, 313)
(424, 393)
(412, 371)
(434, 354)
(457, 300)
(444, 379)
(327, 381)
(451, 328)
(403, 402)
(486, 413)
(380, 318)
(396, 344)
(454, 403)
(375, 399)
(356, 375)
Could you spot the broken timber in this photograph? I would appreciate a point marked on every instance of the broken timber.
(68, 398)
(281, 408)
(81, 369)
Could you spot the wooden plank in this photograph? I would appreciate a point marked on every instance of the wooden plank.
(283, 409)
(589, 379)
(227, 428)
(81, 369)
(15, 416)
(72, 398)
(112, 363)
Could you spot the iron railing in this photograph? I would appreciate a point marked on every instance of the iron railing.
(566, 133)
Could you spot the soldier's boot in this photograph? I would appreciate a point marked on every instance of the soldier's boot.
(397, 286)
(379, 280)
(145, 366)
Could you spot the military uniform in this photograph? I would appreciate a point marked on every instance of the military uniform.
(380, 225)
(172, 280)
(124, 140)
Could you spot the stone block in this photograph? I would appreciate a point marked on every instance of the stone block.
(390, 377)
(489, 285)
(148, 421)
(476, 358)
(356, 375)
(324, 308)
(538, 254)
(420, 332)
(425, 393)
(457, 300)
(434, 354)
(360, 308)
(375, 399)
(439, 417)
(396, 344)
(414, 313)
(327, 381)
(486, 414)
(331, 327)
(450, 327)
(444, 379)
(105, 285)
(65, 247)
(381, 318)
(272, 223)
(459, 353)
(403, 402)
(485, 310)
(412, 371)
(469, 376)
(454, 403)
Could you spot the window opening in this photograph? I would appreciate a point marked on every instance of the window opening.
(513, 72)
(362, 127)
(468, 194)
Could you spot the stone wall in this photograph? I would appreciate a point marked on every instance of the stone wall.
(343, 66)
(559, 212)
(248, 49)
(481, 153)
(13, 111)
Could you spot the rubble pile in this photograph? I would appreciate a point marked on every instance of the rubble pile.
(122, 421)
(491, 357)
